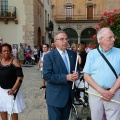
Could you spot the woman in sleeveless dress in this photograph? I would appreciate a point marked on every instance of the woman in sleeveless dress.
(45, 48)
(10, 76)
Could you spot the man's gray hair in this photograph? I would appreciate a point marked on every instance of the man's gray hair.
(58, 32)
(100, 33)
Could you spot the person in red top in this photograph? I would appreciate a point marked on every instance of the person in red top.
(28, 56)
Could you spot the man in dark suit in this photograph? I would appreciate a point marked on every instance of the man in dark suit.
(59, 76)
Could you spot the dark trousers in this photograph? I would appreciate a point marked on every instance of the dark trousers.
(28, 59)
(56, 113)
(35, 56)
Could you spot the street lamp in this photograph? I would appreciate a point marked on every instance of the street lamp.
(59, 28)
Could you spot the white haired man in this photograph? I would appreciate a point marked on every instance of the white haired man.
(101, 78)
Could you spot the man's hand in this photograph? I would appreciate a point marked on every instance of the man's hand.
(72, 77)
(75, 75)
(106, 95)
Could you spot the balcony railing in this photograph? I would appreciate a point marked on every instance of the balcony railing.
(78, 18)
(7, 12)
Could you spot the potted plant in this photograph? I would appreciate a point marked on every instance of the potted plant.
(9, 14)
(13, 14)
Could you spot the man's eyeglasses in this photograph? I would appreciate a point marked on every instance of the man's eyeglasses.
(63, 39)
(110, 37)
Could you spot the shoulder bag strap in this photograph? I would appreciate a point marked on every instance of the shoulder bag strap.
(108, 63)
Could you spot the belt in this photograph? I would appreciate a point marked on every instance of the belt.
(107, 88)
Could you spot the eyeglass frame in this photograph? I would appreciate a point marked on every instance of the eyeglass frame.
(110, 37)
(62, 39)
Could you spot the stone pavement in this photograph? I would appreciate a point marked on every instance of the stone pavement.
(36, 108)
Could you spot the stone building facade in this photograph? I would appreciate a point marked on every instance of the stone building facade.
(34, 22)
(31, 21)
(79, 18)
(28, 24)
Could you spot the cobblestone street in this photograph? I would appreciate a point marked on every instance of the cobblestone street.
(33, 96)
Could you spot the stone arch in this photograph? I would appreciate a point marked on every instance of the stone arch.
(39, 37)
(72, 35)
(86, 33)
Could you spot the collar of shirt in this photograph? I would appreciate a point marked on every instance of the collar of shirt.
(105, 53)
(60, 51)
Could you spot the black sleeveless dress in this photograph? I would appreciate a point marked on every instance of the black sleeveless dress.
(8, 77)
(9, 74)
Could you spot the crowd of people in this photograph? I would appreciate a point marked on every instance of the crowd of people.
(25, 52)
(57, 64)
(11, 63)
(102, 76)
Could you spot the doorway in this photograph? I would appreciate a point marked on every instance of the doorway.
(89, 12)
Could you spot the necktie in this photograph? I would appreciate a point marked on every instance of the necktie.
(65, 60)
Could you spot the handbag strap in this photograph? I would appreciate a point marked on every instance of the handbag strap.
(108, 63)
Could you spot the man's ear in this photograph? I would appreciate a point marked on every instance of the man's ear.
(100, 40)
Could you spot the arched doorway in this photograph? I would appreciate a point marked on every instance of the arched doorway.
(39, 37)
(86, 34)
(72, 35)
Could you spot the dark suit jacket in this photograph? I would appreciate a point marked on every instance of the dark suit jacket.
(54, 73)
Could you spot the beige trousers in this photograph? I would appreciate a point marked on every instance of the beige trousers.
(99, 107)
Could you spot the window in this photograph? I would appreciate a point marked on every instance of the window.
(90, 12)
(46, 22)
(48, 17)
(3, 7)
(69, 12)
